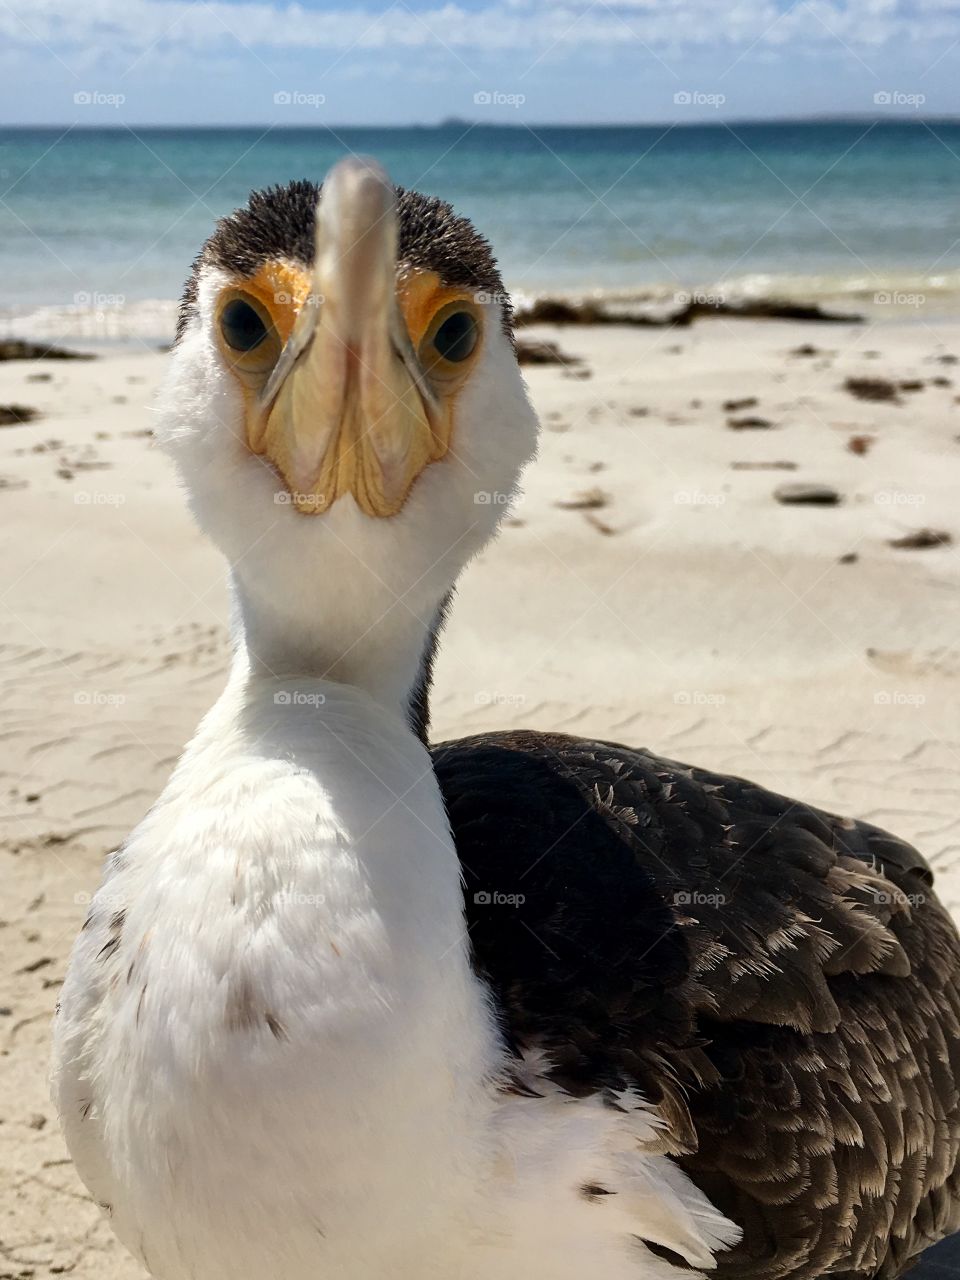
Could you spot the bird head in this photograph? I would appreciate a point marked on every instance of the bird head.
(346, 411)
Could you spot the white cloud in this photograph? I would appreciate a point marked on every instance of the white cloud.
(536, 25)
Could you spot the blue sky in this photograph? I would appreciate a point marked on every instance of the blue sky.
(420, 61)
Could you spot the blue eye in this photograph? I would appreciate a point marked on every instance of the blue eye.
(457, 337)
(242, 326)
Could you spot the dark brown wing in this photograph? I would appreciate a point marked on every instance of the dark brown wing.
(781, 982)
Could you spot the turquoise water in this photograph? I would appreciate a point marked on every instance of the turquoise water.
(820, 209)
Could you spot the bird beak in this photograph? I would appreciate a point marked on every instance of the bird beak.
(347, 408)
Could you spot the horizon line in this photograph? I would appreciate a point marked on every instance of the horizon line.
(451, 122)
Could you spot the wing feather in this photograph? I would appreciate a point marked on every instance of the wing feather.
(781, 983)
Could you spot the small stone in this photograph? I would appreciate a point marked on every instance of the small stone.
(749, 423)
(778, 464)
(860, 444)
(544, 353)
(805, 494)
(878, 390)
(16, 415)
(588, 500)
(920, 539)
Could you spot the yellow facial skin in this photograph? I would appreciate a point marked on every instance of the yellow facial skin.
(362, 400)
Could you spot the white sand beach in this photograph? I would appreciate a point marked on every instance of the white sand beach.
(648, 587)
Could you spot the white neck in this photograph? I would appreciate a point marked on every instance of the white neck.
(384, 659)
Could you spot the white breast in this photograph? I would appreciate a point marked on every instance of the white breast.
(272, 1058)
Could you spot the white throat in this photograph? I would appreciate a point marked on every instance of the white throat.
(379, 646)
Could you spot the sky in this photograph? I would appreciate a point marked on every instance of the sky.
(222, 62)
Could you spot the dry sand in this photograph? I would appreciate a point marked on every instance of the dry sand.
(677, 605)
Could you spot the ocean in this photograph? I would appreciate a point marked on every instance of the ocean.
(98, 227)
